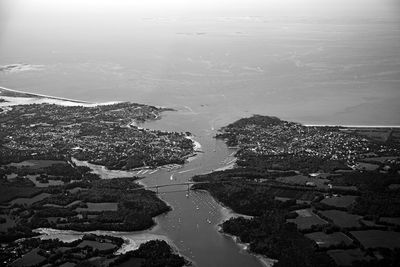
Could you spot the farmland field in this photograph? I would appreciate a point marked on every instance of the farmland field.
(306, 219)
(106, 206)
(378, 238)
(342, 218)
(341, 202)
(30, 201)
(381, 159)
(8, 224)
(37, 163)
(292, 194)
(391, 220)
(8, 193)
(302, 180)
(367, 166)
(326, 240)
(97, 245)
(29, 259)
(346, 257)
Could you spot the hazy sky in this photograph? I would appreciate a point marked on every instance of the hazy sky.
(340, 57)
(328, 8)
(24, 17)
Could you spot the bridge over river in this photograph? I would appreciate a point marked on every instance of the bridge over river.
(270, 184)
(188, 184)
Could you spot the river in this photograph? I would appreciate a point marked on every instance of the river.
(192, 225)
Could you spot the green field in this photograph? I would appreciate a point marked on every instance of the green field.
(391, 220)
(8, 193)
(97, 245)
(348, 256)
(342, 218)
(29, 259)
(378, 238)
(8, 224)
(36, 164)
(306, 219)
(326, 240)
(292, 193)
(302, 180)
(31, 200)
(340, 201)
(106, 206)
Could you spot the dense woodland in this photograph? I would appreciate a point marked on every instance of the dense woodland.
(155, 253)
(271, 236)
(136, 208)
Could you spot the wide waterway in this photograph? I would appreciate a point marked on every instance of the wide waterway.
(192, 225)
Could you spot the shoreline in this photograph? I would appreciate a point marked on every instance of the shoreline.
(265, 261)
(132, 240)
(44, 96)
(228, 213)
(33, 98)
(63, 101)
(352, 126)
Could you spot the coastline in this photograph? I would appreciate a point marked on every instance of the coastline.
(352, 126)
(132, 240)
(32, 98)
(43, 96)
(228, 213)
(266, 262)
(105, 173)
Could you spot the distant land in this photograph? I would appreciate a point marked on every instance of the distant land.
(7, 92)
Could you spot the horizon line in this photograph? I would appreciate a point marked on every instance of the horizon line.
(46, 96)
(352, 126)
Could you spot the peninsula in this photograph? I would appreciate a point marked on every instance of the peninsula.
(41, 186)
(319, 196)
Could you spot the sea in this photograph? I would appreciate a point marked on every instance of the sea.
(309, 61)
(315, 62)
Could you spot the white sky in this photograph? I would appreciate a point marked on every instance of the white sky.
(329, 8)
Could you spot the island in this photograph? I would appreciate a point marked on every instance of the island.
(316, 195)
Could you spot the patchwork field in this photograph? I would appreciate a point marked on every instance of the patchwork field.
(30, 201)
(105, 206)
(340, 201)
(378, 238)
(326, 240)
(8, 193)
(97, 245)
(291, 193)
(37, 163)
(348, 256)
(306, 219)
(366, 166)
(381, 159)
(395, 221)
(342, 218)
(29, 259)
(302, 180)
(9, 223)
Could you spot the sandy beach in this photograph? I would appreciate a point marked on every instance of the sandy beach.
(44, 99)
(132, 239)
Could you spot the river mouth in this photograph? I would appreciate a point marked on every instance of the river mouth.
(192, 224)
(191, 227)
